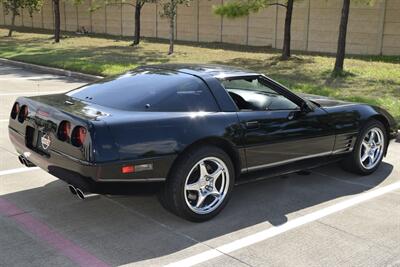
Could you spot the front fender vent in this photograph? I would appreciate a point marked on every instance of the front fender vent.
(344, 143)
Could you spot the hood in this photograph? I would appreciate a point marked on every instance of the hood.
(324, 101)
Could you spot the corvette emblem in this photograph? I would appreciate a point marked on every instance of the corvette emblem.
(45, 141)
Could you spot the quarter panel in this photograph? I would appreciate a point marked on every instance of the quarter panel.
(155, 134)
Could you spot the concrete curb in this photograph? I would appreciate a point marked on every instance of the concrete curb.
(50, 70)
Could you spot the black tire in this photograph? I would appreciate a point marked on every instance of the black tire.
(172, 197)
(352, 162)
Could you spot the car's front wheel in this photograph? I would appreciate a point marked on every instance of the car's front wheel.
(200, 184)
(369, 149)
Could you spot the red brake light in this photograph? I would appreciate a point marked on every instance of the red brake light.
(64, 130)
(15, 110)
(128, 169)
(23, 113)
(78, 136)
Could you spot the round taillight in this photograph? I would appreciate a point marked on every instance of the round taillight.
(64, 130)
(15, 110)
(78, 136)
(23, 113)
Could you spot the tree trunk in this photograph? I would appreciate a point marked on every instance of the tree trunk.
(287, 34)
(136, 38)
(171, 34)
(56, 21)
(341, 48)
(12, 24)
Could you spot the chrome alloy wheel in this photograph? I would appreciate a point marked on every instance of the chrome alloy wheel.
(206, 185)
(372, 147)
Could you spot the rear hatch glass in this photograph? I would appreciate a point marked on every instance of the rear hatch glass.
(149, 90)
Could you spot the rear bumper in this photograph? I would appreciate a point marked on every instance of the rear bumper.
(86, 174)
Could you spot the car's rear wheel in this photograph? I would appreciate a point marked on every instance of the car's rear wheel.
(200, 184)
(369, 149)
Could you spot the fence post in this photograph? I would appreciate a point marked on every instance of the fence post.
(197, 19)
(22, 16)
(176, 23)
(275, 32)
(247, 29)
(156, 21)
(41, 16)
(105, 18)
(307, 25)
(77, 17)
(65, 16)
(222, 24)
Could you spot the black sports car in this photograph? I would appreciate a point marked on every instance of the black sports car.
(197, 128)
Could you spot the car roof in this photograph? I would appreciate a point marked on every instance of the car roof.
(217, 71)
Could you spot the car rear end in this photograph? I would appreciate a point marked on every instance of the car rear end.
(52, 139)
(71, 139)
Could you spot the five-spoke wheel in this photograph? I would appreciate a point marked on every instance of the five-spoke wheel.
(368, 150)
(206, 185)
(372, 148)
(200, 184)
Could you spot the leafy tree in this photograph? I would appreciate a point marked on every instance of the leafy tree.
(138, 5)
(341, 47)
(169, 10)
(15, 6)
(240, 8)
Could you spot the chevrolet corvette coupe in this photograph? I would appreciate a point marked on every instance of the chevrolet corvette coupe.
(196, 128)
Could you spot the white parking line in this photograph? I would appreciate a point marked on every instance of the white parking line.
(274, 231)
(31, 93)
(12, 171)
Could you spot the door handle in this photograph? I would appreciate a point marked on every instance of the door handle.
(252, 124)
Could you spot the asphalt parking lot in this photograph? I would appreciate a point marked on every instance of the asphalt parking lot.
(326, 218)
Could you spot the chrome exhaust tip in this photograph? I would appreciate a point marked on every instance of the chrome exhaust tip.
(80, 194)
(21, 159)
(72, 189)
(25, 161)
(29, 164)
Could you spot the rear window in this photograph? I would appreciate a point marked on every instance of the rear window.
(149, 90)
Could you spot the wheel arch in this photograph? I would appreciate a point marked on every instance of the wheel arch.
(219, 142)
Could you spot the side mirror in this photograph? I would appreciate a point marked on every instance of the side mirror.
(305, 107)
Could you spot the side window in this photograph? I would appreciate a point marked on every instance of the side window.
(252, 94)
(189, 95)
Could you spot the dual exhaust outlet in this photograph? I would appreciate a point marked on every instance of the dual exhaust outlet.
(25, 161)
(74, 190)
(80, 193)
(77, 191)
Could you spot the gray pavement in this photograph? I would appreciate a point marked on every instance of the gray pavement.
(42, 224)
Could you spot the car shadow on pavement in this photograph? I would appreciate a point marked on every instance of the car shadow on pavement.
(136, 228)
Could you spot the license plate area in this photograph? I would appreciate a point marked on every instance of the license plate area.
(37, 140)
(43, 141)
